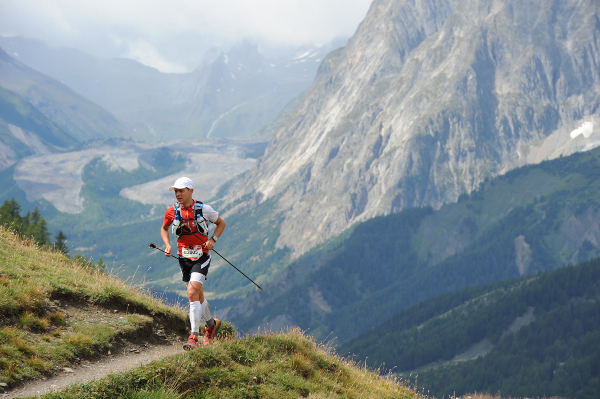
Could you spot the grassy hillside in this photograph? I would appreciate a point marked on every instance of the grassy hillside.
(44, 298)
(536, 335)
(47, 300)
(532, 219)
(285, 365)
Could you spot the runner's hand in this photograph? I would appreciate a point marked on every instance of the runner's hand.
(168, 251)
(210, 244)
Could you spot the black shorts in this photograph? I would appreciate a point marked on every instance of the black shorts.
(194, 266)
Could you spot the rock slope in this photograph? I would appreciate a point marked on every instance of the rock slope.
(428, 99)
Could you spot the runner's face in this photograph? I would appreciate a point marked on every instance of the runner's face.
(183, 195)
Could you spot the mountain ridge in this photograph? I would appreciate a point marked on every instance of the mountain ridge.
(230, 94)
(78, 117)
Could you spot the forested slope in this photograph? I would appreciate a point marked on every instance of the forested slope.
(535, 335)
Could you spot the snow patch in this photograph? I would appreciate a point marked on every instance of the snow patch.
(304, 55)
(523, 254)
(586, 129)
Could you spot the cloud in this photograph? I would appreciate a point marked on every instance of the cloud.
(168, 34)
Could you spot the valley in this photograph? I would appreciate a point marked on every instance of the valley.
(57, 178)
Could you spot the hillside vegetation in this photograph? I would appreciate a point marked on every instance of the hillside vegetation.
(284, 365)
(535, 335)
(38, 335)
(532, 219)
(43, 295)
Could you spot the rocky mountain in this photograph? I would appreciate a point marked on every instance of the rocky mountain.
(230, 94)
(530, 220)
(78, 118)
(427, 100)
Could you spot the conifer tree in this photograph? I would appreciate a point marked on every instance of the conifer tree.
(34, 225)
(60, 244)
(10, 214)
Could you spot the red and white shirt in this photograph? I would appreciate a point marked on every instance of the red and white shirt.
(190, 240)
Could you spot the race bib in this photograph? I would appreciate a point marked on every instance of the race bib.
(192, 253)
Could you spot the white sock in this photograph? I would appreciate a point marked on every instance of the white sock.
(206, 313)
(195, 316)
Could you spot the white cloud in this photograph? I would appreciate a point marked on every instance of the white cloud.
(165, 34)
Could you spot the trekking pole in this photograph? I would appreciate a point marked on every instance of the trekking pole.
(186, 228)
(153, 245)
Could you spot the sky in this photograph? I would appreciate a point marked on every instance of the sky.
(171, 35)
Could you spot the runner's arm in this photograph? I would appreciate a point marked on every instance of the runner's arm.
(220, 226)
(164, 234)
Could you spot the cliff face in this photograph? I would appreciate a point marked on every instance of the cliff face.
(428, 99)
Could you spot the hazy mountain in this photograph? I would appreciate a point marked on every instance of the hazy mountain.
(231, 94)
(26, 131)
(39, 115)
(77, 116)
(427, 100)
(532, 219)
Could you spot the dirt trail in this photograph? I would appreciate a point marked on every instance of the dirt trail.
(122, 359)
(161, 337)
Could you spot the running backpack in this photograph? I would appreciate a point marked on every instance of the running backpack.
(199, 220)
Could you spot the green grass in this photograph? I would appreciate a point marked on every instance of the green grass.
(47, 299)
(268, 365)
(30, 275)
(37, 336)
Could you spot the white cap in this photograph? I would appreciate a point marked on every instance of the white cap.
(182, 182)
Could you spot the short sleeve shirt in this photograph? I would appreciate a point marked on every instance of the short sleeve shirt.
(187, 214)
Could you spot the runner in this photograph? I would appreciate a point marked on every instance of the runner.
(188, 218)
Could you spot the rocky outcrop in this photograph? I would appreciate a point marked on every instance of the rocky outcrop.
(428, 99)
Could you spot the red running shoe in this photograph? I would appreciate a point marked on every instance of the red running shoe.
(210, 332)
(192, 343)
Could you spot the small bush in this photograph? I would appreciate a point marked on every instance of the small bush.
(31, 322)
(57, 318)
(80, 344)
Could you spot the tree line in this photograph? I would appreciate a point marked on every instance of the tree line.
(34, 226)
